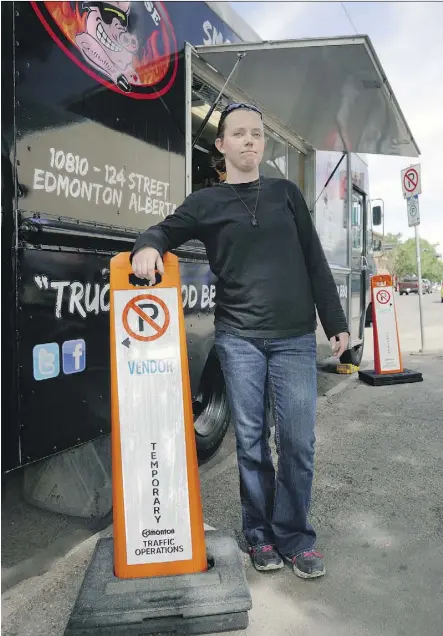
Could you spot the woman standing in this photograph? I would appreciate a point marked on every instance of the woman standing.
(272, 275)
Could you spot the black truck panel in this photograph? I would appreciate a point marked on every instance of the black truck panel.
(93, 151)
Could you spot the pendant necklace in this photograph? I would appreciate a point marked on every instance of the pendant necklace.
(254, 221)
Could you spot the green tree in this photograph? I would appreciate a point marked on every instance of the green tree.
(389, 249)
(392, 239)
(404, 260)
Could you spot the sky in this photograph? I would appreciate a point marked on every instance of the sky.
(407, 37)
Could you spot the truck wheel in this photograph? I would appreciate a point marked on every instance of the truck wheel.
(353, 356)
(211, 410)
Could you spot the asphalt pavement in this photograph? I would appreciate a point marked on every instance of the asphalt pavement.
(377, 508)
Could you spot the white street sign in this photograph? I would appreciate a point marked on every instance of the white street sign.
(152, 433)
(413, 211)
(386, 331)
(411, 181)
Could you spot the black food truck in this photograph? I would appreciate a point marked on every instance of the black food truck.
(109, 113)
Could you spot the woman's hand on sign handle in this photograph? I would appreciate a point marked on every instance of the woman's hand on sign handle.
(146, 262)
(339, 344)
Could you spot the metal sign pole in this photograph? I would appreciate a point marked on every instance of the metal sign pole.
(411, 184)
(420, 287)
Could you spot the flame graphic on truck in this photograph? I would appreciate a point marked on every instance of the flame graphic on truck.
(129, 47)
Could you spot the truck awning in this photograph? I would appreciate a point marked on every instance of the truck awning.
(331, 92)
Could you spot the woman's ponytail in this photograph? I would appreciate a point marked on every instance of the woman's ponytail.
(219, 164)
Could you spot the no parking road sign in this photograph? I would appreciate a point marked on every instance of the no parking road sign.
(158, 520)
(388, 361)
(411, 181)
(387, 355)
(151, 414)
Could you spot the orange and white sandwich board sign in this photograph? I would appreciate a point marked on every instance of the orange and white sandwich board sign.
(387, 354)
(158, 519)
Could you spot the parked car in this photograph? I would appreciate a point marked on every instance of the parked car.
(408, 285)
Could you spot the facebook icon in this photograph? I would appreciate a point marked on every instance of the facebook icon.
(74, 356)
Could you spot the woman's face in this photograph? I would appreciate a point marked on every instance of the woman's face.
(243, 142)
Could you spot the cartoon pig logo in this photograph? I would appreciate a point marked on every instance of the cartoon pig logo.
(106, 43)
(128, 47)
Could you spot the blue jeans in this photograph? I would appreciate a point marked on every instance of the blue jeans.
(274, 508)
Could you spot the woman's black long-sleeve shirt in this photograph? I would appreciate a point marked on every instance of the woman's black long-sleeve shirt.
(270, 277)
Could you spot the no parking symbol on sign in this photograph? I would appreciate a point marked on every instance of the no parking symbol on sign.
(150, 315)
(411, 181)
(383, 296)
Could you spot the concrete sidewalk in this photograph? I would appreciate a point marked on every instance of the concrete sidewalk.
(377, 507)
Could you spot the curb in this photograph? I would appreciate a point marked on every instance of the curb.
(340, 387)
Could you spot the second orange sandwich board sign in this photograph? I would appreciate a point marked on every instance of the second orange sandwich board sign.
(388, 361)
(387, 354)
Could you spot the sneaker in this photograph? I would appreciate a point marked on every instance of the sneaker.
(265, 557)
(308, 565)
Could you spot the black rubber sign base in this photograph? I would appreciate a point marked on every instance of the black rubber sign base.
(214, 601)
(370, 377)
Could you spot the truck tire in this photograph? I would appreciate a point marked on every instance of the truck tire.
(211, 410)
(353, 356)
